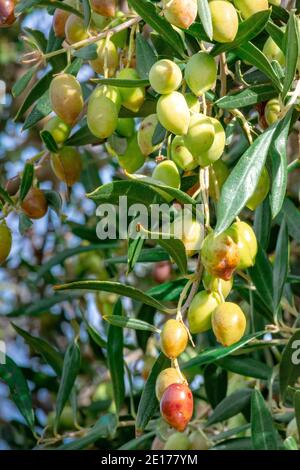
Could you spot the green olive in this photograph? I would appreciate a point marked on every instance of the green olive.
(146, 133)
(225, 21)
(244, 236)
(273, 52)
(133, 159)
(66, 97)
(217, 148)
(102, 116)
(59, 130)
(200, 73)
(180, 13)
(6, 241)
(167, 173)
(132, 98)
(200, 311)
(108, 49)
(218, 174)
(261, 191)
(192, 102)
(212, 284)
(200, 135)
(249, 7)
(181, 154)
(177, 441)
(110, 92)
(228, 323)
(190, 232)
(272, 111)
(173, 113)
(75, 30)
(165, 76)
(125, 127)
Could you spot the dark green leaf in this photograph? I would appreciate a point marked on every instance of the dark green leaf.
(40, 87)
(135, 444)
(240, 443)
(134, 250)
(230, 406)
(289, 370)
(134, 323)
(177, 252)
(86, 13)
(262, 276)
(26, 181)
(40, 110)
(118, 82)
(291, 49)
(292, 217)
(82, 137)
(145, 56)
(215, 383)
(24, 223)
(20, 85)
(38, 38)
(297, 409)
(247, 97)
(264, 436)
(281, 263)
(262, 223)
(39, 306)
(6, 197)
(54, 200)
(148, 403)
(247, 367)
(87, 53)
(276, 34)
(49, 141)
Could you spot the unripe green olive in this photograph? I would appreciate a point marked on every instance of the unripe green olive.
(100, 21)
(177, 406)
(275, 2)
(273, 52)
(181, 154)
(145, 134)
(167, 173)
(200, 135)
(35, 204)
(60, 18)
(177, 441)
(5, 242)
(244, 236)
(198, 441)
(67, 165)
(216, 150)
(218, 174)
(166, 378)
(59, 130)
(165, 76)
(220, 255)
(125, 127)
(7, 13)
(66, 420)
(104, 7)
(66, 97)
(110, 92)
(212, 284)
(249, 7)
(173, 113)
(180, 13)
(102, 116)
(192, 102)
(75, 30)
(132, 98)
(190, 233)
(200, 311)
(106, 47)
(225, 21)
(200, 73)
(133, 159)
(261, 191)
(272, 111)
(173, 338)
(229, 323)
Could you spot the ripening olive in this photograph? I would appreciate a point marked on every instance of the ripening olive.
(190, 232)
(225, 21)
(125, 127)
(59, 130)
(146, 133)
(133, 159)
(75, 30)
(110, 92)
(173, 113)
(165, 76)
(243, 235)
(177, 441)
(198, 441)
(59, 22)
(200, 135)
(200, 311)
(192, 102)
(200, 73)
(166, 378)
(167, 173)
(7, 13)
(177, 405)
(5, 242)
(272, 111)
(132, 98)
(218, 174)
(217, 148)
(104, 7)
(66, 97)
(261, 191)
(35, 204)
(108, 49)
(67, 165)
(229, 323)
(212, 284)
(220, 255)
(273, 52)
(102, 116)
(181, 155)
(249, 7)
(173, 338)
(180, 13)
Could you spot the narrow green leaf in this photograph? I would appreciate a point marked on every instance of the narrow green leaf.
(71, 366)
(134, 323)
(86, 13)
(26, 181)
(38, 89)
(292, 217)
(230, 406)
(38, 38)
(148, 402)
(262, 223)
(82, 136)
(115, 344)
(247, 97)
(49, 141)
(42, 347)
(87, 53)
(263, 433)
(54, 200)
(145, 56)
(139, 442)
(118, 82)
(276, 33)
(205, 17)
(291, 49)
(21, 84)
(41, 109)
(6, 197)
(24, 223)
(297, 409)
(12, 375)
(247, 367)
(134, 250)
(262, 277)
(281, 263)
(240, 443)
(177, 252)
(289, 369)
(215, 383)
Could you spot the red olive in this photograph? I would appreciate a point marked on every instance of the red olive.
(177, 405)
